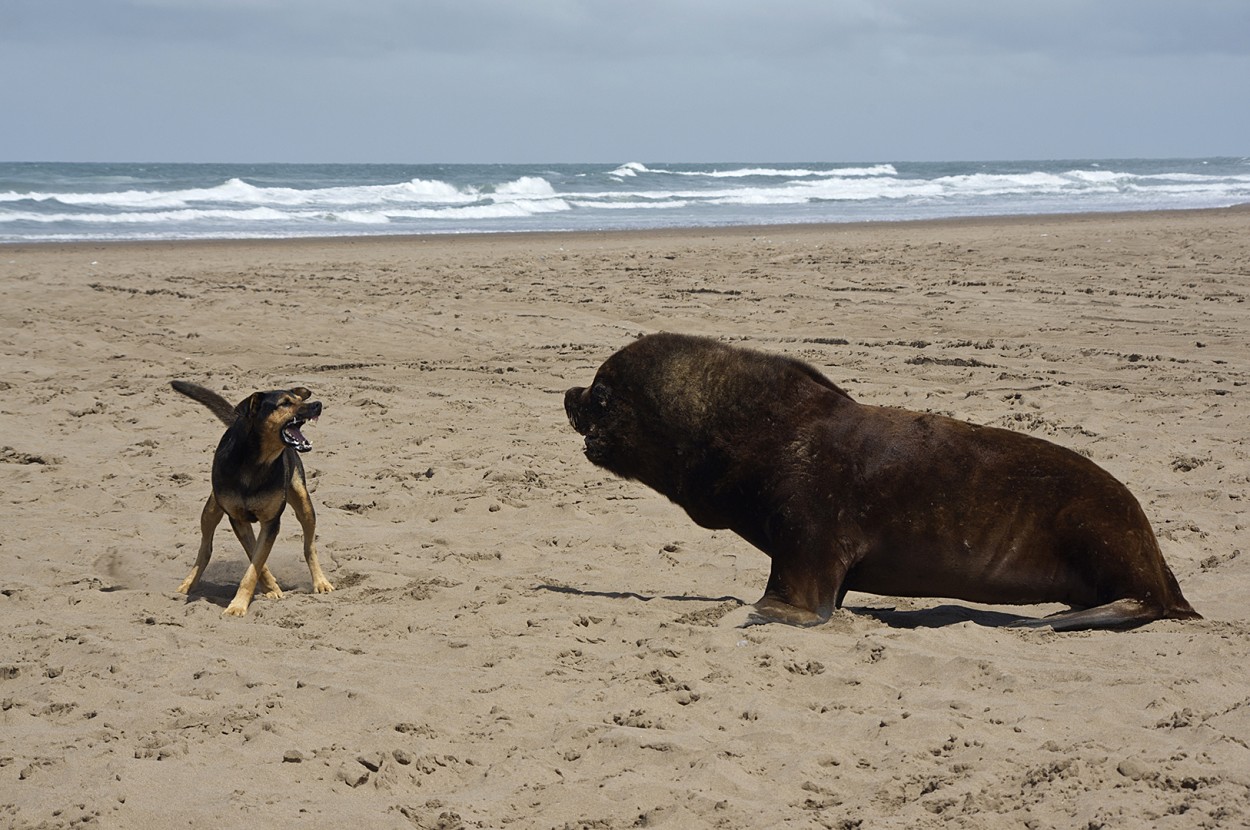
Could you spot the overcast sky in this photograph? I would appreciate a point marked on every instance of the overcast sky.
(426, 81)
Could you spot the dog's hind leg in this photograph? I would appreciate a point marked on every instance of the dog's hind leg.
(268, 584)
(259, 555)
(303, 507)
(209, 519)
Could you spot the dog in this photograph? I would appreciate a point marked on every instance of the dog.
(256, 471)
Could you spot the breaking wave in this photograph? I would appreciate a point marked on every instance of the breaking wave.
(187, 201)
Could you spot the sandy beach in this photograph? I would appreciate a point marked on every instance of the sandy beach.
(518, 639)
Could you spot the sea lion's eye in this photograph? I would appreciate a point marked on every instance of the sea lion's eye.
(599, 395)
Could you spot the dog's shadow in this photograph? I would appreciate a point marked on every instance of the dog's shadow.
(938, 616)
(220, 583)
(213, 592)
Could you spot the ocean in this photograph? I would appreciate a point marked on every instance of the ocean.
(44, 202)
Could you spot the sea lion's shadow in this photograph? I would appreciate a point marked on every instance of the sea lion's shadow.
(564, 589)
(939, 616)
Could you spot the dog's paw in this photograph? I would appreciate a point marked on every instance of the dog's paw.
(269, 585)
(323, 586)
(235, 609)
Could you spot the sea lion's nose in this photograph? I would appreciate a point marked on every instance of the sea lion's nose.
(572, 407)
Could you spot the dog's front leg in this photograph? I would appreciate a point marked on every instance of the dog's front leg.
(209, 519)
(307, 516)
(259, 555)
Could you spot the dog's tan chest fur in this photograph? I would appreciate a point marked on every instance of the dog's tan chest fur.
(262, 507)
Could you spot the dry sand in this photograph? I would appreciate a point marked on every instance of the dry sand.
(520, 640)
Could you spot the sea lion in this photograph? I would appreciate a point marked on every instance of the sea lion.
(846, 496)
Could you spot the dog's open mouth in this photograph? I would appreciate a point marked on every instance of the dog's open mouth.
(292, 437)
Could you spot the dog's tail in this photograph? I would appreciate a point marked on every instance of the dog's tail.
(220, 407)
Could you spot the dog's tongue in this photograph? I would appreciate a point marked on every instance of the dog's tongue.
(296, 438)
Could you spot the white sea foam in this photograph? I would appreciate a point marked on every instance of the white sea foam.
(81, 201)
(633, 168)
(500, 210)
(530, 187)
(237, 191)
(258, 214)
(629, 169)
(789, 173)
(630, 204)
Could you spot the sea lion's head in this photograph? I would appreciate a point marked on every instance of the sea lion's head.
(665, 400)
(606, 413)
(692, 417)
(587, 408)
(644, 415)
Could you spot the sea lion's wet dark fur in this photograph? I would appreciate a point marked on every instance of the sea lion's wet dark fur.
(844, 496)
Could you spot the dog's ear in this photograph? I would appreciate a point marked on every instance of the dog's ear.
(250, 405)
(300, 392)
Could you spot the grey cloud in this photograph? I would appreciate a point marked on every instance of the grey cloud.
(506, 80)
(613, 29)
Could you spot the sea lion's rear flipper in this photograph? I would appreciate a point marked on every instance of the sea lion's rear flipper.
(1123, 613)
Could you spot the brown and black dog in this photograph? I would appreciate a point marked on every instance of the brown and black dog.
(256, 472)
